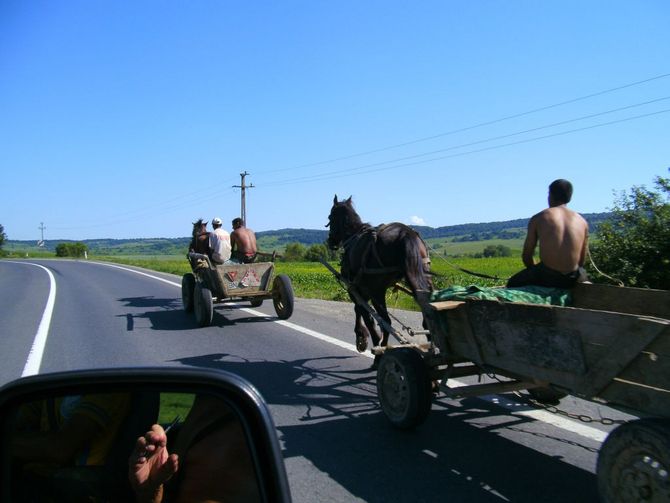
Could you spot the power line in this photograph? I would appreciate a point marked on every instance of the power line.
(478, 125)
(333, 175)
(478, 142)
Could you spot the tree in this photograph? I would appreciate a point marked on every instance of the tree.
(71, 249)
(3, 236)
(294, 252)
(497, 251)
(317, 252)
(634, 246)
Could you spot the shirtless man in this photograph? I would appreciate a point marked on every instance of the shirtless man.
(563, 236)
(243, 242)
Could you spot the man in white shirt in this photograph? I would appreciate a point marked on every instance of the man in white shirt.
(219, 242)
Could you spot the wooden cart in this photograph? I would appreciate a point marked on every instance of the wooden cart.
(611, 346)
(211, 283)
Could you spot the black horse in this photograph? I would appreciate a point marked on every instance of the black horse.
(374, 259)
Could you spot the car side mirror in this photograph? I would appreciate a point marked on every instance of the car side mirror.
(82, 436)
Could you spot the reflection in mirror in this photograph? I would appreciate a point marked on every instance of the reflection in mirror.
(141, 446)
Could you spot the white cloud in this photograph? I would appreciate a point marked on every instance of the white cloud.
(414, 220)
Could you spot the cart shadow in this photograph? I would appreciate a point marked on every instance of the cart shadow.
(164, 314)
(452, 456)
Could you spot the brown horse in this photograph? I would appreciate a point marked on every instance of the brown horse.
(374, 259)
(200, 238)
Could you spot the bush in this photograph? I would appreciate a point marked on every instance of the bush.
(294, 252)
(634, 246)
(71, 250)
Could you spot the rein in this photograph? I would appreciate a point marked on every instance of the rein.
(372, 232)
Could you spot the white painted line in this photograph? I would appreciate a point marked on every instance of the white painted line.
(501, 401)
(36, 353)
(137, 272)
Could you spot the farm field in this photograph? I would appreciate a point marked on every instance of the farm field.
(313, 280)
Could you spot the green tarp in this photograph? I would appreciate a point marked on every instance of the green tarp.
(526, 294)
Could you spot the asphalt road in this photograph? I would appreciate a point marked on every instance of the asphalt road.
(337, 444)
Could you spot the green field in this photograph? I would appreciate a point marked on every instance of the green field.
(313, 280)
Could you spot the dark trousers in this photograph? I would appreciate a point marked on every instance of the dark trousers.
(541, 275)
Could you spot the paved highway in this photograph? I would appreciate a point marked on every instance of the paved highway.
(338, 446)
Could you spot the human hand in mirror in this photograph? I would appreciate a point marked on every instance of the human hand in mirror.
(151, 465)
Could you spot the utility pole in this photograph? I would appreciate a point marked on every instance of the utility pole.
(41, 228)
(243, 209)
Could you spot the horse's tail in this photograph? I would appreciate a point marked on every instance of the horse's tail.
(417, 264)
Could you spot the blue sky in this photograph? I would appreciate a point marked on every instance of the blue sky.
(123, 119)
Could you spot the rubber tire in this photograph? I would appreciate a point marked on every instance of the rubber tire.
(256, 302)
(187, 291)
(404, 387)
(282, 296)
(632, 461)
(203, 305)
(547, 395)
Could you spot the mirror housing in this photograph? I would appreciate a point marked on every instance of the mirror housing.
(236, 392)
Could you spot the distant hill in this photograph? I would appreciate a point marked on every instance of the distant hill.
(278, 239)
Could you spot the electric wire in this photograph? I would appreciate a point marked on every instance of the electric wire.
(474, 126)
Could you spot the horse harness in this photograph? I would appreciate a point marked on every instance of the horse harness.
(370, 234)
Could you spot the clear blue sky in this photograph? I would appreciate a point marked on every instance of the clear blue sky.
(126, 119)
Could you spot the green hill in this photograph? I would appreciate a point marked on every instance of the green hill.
(454, 239)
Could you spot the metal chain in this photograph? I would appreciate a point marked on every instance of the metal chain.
(584, 418)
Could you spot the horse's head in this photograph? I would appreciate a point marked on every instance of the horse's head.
(343, 222)
(198, 227)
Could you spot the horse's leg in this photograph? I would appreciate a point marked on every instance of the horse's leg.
(360, 330)
(379, 303)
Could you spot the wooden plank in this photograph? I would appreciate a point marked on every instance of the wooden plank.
(641, 301)
(445, 305)
(648, 401)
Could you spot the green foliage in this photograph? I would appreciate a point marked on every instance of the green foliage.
(294, 252)
(71, 250)
(634, 245)
(3, 236)
(497, 251)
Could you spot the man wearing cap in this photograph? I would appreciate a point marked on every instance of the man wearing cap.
(219, 242)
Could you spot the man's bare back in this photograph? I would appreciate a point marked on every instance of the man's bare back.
(562, 235)
(563, 238)
(243, 240)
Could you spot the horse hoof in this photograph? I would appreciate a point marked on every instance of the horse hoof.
(361, 343)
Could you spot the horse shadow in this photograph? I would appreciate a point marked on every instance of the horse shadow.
(456, 455)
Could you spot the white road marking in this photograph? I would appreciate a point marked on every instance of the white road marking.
(36, 353)
(501, 401)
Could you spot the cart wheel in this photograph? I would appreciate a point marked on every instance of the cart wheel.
(282, 296)
(203, 305)
(546, 395)
(256, 302)
(634, 462)
(404, 387)
(187, 287)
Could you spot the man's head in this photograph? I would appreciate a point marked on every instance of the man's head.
(560, 192)
(237, 222)
(217, 222)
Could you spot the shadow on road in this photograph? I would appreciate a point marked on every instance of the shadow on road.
(451, 457)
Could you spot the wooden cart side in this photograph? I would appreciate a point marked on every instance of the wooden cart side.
(640, 301)
(244, 280)
(582, 351)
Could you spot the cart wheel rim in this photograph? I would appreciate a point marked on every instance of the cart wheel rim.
(395, 390)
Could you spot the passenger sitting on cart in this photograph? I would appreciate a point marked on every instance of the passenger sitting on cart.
(219, 242)
(563, 236)
(200, 241)
(243, 243)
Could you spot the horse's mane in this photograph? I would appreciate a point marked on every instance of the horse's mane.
(353, 221)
